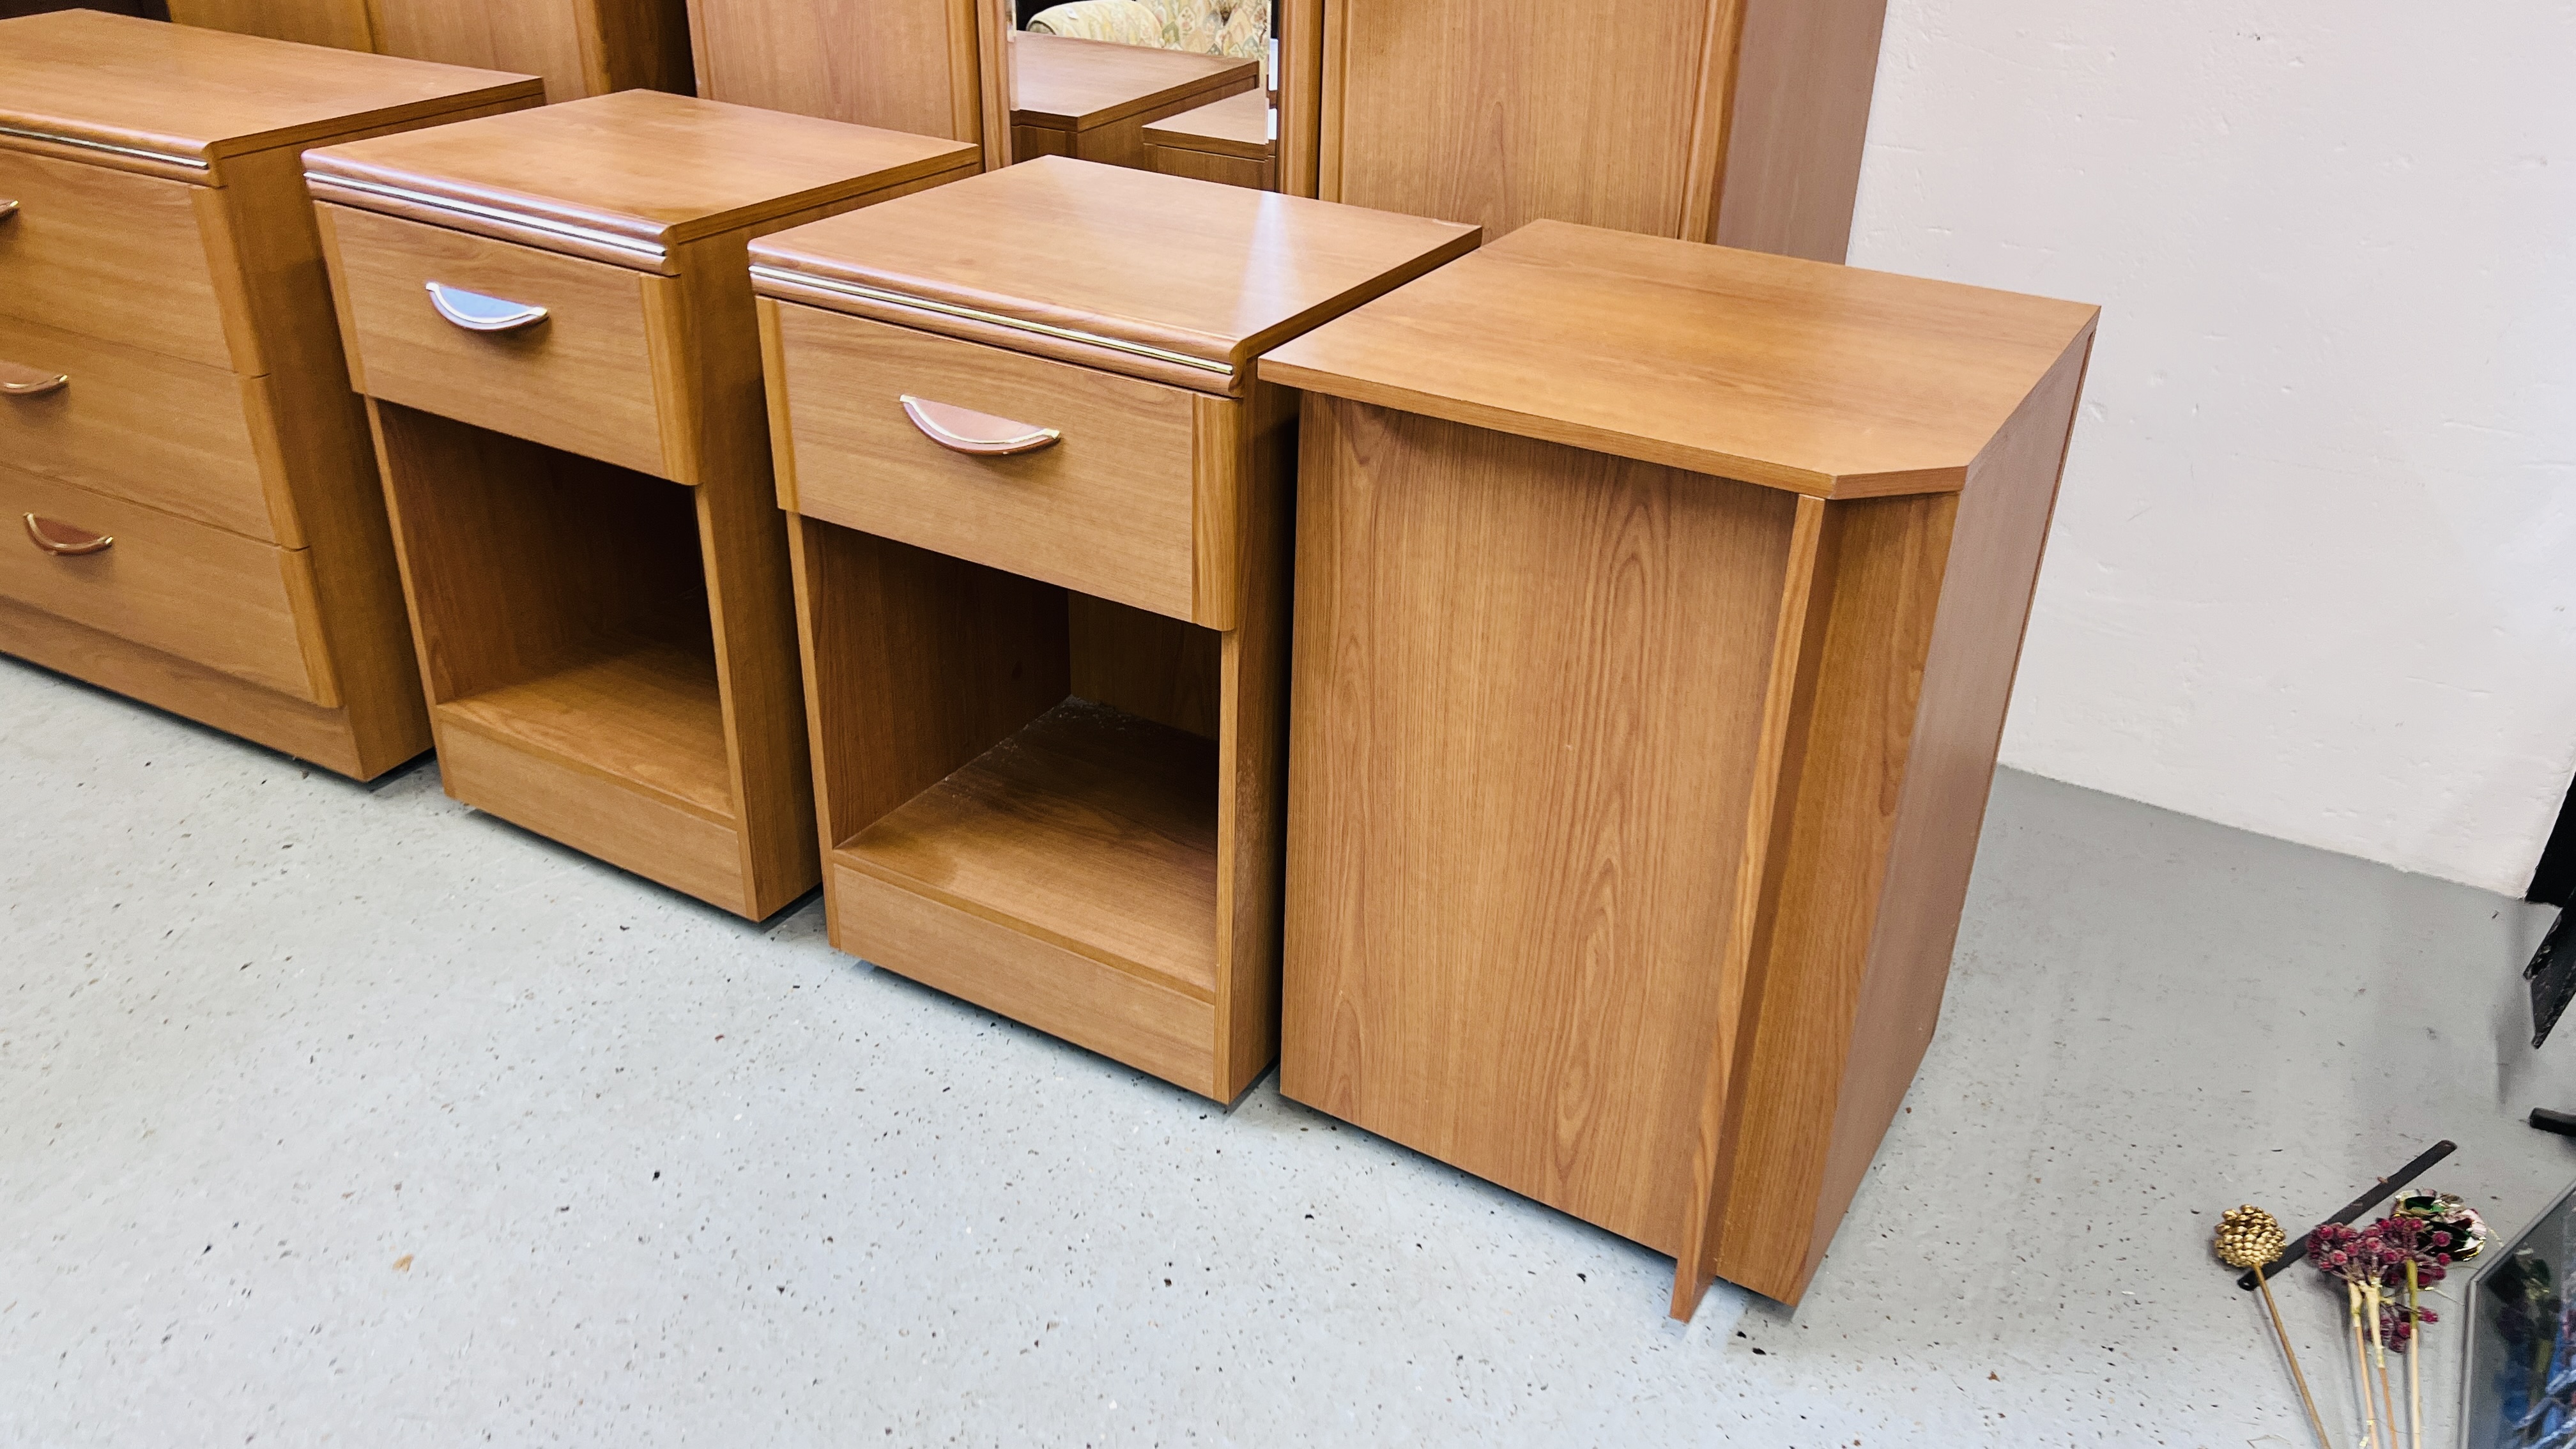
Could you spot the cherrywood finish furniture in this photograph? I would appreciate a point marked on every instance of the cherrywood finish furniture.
(1657, 607)
(1735, 121)
(1227, 140)
(1041, 570)
(579, 47)
(924, 66)
(1092, 100)
(191, 507)
(550, 315)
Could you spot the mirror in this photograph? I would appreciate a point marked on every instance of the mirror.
(1185, 87)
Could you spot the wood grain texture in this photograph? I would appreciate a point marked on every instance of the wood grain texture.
(542, 38)
(1301, 95)
(1088, 828)
(179, 436)
(640, 712)
(1154, 1027)
(1500, 114)
(520, 560)
(711, 331)
(1252, 740)
(915, 663)
(167, 583)
(640, 166)
(899, 64)
(1528, 681)
(1211, 166)
(109, 254)
(1108, 510)
(1807, 588)
(1845, 1000)
(323, 455)
(343, 24)
(631, 830)
(290, 726)
(196, 95)
(1739, 120)
(1792, 374)
(1798, 116)
(581, 380)
(1235, 271)
(1165, 669)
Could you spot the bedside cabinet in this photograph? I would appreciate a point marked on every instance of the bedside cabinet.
(1657, 608)
(1092, 100)
(190, 501)
(551, 318)
(1041, 550)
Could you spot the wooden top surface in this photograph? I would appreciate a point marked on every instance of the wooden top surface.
(1066, 84)
(1794, 374)
(1239, 125)
(179, 93)
(1211, 272)
(642, 165)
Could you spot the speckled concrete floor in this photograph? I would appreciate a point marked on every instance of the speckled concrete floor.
(339, 1114)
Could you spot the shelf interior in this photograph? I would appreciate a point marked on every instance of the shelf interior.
(1090, 827)
(640, 709)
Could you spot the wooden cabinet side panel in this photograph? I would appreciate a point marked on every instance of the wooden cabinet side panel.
(1802, 991)
(712, 331)
(888, 63)
(1968, 674)
(1527, 684)
(1805, 71)
(1252, 739)
(340, 23)
(1502, 113)
(325, 454)
(531, 37)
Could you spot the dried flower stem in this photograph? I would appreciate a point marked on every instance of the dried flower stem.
(2315, 1419)
(2379, 1353)
(2414, 1359)
(2361, 1370)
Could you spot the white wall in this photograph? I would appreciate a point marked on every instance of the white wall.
(2315, 554)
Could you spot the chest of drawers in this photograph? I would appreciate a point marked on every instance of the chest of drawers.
(192, 506)
(550, 315)
(1040, 537)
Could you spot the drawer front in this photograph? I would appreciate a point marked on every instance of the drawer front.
(229, 603)
(1107, 509)
(108, 253)
(581, 379)
(177, 435)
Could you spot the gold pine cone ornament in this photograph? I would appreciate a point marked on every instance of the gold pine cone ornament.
(2249, 1237)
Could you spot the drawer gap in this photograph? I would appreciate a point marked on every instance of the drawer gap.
(1089, 827)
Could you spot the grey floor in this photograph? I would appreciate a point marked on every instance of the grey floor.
(334, 1114)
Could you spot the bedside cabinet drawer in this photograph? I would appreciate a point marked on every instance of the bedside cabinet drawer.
(1106, 506)
(230, 603)
(108, 253)
(122, 420)
(545, 347)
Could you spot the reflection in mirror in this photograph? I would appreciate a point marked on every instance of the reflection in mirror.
(1181, 86)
